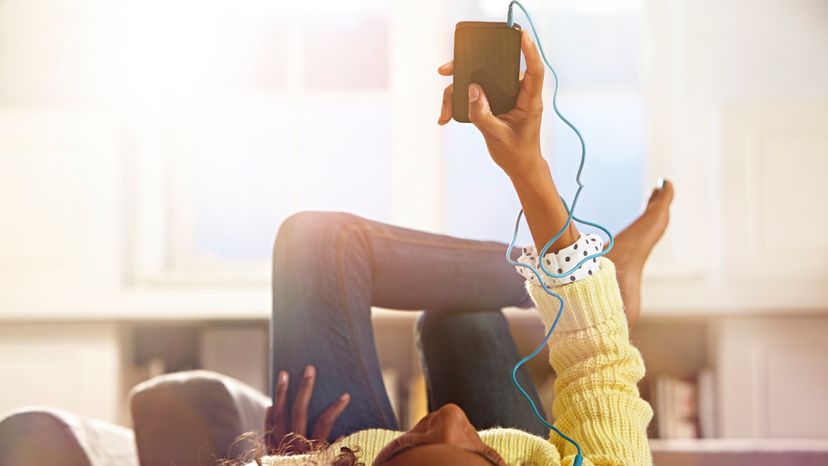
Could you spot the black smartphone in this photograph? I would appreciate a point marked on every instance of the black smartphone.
(488, 54)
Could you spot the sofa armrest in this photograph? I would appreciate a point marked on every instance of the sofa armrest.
(43, 436)
(194, 418)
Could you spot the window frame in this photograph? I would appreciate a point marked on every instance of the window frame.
(162, 245)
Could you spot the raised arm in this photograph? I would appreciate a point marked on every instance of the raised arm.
(513, 140)
(596, 398)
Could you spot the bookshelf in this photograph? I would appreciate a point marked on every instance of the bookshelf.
(758, 368)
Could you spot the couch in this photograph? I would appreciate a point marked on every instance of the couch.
(192, 418)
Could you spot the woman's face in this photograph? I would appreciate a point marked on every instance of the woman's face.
(443, 437)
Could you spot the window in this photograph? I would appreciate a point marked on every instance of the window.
(264, 109)
(309, 133)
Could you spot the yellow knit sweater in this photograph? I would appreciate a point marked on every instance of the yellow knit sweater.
(596, 398)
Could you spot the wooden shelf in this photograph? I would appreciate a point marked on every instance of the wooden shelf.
(725, 445)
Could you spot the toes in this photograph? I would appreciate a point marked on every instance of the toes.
(667, 191)
(662, 196)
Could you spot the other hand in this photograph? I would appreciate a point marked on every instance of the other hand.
(281, 421)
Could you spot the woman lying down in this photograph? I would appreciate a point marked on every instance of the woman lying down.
(330, 268)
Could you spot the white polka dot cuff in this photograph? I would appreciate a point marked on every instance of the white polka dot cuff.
(563, 261)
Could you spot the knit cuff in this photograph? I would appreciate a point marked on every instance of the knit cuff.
(587, 302)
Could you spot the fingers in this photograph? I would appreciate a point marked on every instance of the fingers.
(447, 109)
(269, 419)
(270, 442)
(281, 394)
(481, 114)
(534, 63)
(446, 69)
(531, 87)
(299, 413)
(328, 418)
(277, 423)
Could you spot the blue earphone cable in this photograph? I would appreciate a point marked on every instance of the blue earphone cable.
(570, 216)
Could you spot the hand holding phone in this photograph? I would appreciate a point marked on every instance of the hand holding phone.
(487, 54)
(513, 137)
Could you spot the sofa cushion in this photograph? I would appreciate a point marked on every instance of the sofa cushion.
(46, 436)
(194, 418)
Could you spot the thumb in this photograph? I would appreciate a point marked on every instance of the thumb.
(480, 113)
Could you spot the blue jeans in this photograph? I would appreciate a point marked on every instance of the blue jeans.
(330, 268)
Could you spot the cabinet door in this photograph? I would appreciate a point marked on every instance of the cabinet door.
(773, 378)
(76, 367)
(776, 158)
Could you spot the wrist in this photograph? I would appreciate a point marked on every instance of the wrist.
(531, 170)
(541, 202)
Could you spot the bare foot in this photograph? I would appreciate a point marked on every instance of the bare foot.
(634, 244)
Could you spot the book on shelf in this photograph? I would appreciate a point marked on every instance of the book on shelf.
(684, 407)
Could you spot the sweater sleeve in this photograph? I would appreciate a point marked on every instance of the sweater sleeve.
(597, 402)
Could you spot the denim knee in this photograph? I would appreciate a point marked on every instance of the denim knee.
(308, 230)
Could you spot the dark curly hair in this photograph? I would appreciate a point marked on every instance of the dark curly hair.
(291, 444)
